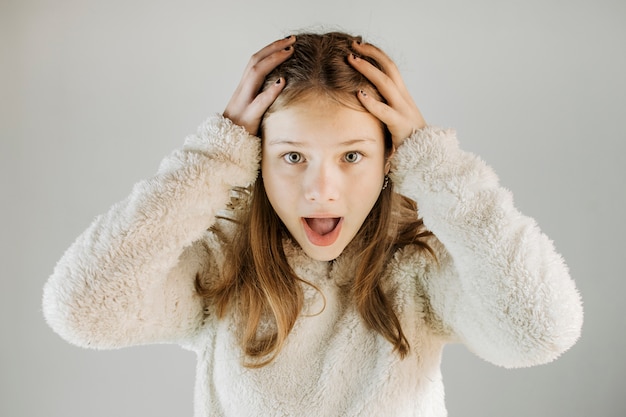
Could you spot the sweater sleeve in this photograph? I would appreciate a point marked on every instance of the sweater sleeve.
(499, 287)
(129, 278)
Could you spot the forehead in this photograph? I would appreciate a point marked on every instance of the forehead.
(317, 120)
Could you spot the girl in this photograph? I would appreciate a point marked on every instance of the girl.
(297, 267)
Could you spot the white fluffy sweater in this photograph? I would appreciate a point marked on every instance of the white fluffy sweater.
(500, 288)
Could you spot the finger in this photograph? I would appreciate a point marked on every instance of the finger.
(250, 116)
(381, 81)
(389, 67)
(270, 49)
(394, 120)
(263, 101)
(259, 66)
(254, 77)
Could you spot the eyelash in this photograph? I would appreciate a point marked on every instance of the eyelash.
(287, 156)
(358, 154)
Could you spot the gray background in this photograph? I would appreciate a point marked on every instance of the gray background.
(95, 93)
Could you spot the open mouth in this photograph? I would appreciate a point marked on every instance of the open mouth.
(322, 231)
(322, 226)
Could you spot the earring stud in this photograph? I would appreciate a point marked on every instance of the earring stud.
(386, 183)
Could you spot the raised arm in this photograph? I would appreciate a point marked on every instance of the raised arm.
(129, 278)
(499, 287)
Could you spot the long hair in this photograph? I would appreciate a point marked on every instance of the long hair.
(258, 284)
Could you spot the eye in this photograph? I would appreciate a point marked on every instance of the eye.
(353, 157)
(293, 157)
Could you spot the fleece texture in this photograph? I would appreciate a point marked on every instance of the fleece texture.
(499, 287)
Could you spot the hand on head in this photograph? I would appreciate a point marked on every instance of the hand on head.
(247, 106)
(400, 113)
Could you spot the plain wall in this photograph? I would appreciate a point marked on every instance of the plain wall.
(95, 93)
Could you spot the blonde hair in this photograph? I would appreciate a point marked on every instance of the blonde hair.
(258, 284)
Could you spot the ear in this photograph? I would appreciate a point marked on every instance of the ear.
(388, 159)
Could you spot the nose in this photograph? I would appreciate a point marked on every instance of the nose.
(322, 184)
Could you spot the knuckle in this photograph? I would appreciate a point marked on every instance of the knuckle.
(386, 112)
(254, 69)
(256, 57)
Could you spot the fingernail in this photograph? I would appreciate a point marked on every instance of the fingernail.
(278, 81)
(354, 56)
(287, 37)
(288, 48)
(363, 93)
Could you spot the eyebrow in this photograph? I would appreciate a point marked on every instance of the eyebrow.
(349, 142)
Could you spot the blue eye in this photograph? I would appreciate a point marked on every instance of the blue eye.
(353, 157)
(293, 157)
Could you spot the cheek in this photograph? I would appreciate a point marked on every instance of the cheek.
(368, 189)
(371, 193)
(369, 178)
(276, 186)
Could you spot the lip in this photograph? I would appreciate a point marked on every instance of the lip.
(322, 240)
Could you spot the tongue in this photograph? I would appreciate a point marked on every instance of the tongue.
(322, 226)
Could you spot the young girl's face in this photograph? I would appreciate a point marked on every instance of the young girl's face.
(323, 169)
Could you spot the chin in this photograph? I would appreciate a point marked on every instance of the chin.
(324, 254)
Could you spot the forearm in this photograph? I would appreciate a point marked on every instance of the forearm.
(128, 278)
(501, 286)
